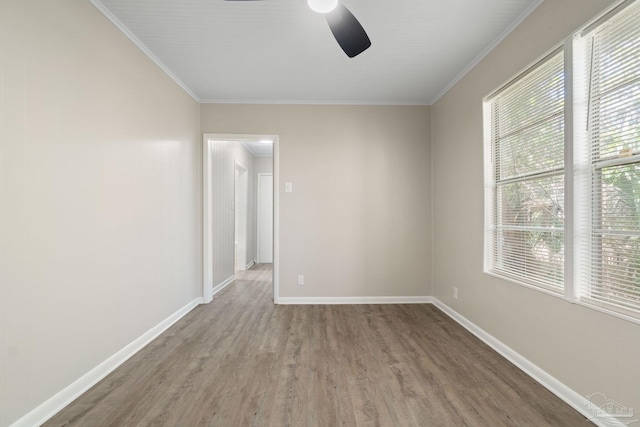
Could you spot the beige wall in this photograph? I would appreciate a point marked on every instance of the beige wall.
(99, 197)
(585, 349)
(357, 221)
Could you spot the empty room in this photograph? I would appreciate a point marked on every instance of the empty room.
(319, 213)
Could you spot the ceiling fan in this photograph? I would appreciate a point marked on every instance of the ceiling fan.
(345, 27)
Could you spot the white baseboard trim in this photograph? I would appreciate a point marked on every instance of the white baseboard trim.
(568, 395)
(223, 285)
(353, 300)
(251, 264)
(60, 400)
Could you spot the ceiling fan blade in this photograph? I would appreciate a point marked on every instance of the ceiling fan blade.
(347, 30)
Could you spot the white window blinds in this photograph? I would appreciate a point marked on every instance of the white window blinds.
(609, 214)
(525, 183)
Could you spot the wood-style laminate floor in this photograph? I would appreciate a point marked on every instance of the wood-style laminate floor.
(242, 361)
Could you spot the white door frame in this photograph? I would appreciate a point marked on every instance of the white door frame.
(207, 211)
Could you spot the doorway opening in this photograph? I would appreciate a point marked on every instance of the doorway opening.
(240, 208)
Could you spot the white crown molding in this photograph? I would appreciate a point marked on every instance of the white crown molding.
(115, 21)
(568, 395)
(354, 300)
(57, 402)
(488, 49)
(308, 102)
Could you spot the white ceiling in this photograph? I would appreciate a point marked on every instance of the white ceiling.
(279, 51)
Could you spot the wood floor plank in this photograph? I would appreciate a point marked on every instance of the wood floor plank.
(243, 361)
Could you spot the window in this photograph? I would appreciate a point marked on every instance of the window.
(563, 204)
(609, 150)
(525, 180)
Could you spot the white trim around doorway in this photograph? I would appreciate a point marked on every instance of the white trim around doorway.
(207, 211)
